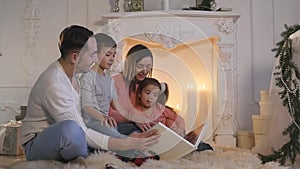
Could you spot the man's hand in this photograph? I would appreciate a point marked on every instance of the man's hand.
(136, 141)
(144, 134)
(144, 140)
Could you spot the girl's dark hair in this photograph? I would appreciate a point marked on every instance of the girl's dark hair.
(164, 96)
(144, 83)
(73, 38)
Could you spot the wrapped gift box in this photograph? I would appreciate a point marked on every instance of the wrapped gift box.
(10, 138)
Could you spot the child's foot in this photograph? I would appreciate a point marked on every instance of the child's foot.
(110, 166)
(204, 146)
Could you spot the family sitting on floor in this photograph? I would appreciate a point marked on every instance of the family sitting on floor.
(76, 108)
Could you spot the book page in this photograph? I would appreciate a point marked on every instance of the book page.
(180, 150)
(170, 146)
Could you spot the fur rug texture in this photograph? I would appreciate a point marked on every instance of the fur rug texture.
(220, 158)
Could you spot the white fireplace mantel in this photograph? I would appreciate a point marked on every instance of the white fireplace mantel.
(179, 13)
(185, 26)
(220, 24)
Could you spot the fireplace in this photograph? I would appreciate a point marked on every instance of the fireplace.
(195, 53)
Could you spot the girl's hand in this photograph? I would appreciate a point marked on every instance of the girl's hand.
(179, 131)
(192, 137)
(143, 126)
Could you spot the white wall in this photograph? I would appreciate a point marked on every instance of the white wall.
(258, 29)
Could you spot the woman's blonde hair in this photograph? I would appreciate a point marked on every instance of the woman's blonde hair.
(134, 55)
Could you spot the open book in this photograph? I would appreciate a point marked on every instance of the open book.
(173, 146)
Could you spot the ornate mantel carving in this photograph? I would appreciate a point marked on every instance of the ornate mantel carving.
(175, 27)
(226, 25)
(32, 32)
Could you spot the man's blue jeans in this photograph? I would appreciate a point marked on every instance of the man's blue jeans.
(62, 141)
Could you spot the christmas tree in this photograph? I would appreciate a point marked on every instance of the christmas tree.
(287, 78)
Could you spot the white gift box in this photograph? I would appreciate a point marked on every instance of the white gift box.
(10, 138)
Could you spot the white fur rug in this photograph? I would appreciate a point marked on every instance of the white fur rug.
(217, 159)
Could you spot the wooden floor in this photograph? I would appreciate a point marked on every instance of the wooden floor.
(7, 161)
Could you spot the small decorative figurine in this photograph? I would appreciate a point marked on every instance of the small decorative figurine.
(116, 6)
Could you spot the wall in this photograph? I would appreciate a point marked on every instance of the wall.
(24, 58)
(259, 30)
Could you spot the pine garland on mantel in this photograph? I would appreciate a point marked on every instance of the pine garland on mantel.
(287, 78)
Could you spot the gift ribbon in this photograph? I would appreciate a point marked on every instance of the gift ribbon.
(2, 137)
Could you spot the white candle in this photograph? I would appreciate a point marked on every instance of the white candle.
(166, 5)
(191, 100)
(203, 104)
(177, 106)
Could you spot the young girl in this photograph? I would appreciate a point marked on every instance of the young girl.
(151, 97)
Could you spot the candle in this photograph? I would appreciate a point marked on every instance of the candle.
(191, 105)
(166, 5)
(203, 105)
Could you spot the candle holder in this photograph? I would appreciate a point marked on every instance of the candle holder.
(128, 5)
(206, 5)
(116, 7)
(137, 5)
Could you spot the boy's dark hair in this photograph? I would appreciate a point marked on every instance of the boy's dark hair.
(73, 39)
(104, 40)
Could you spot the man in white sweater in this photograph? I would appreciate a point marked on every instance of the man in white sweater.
(53, 128)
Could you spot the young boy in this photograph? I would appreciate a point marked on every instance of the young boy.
(98, 89)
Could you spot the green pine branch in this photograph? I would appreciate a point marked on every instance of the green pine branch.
(285, 75)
